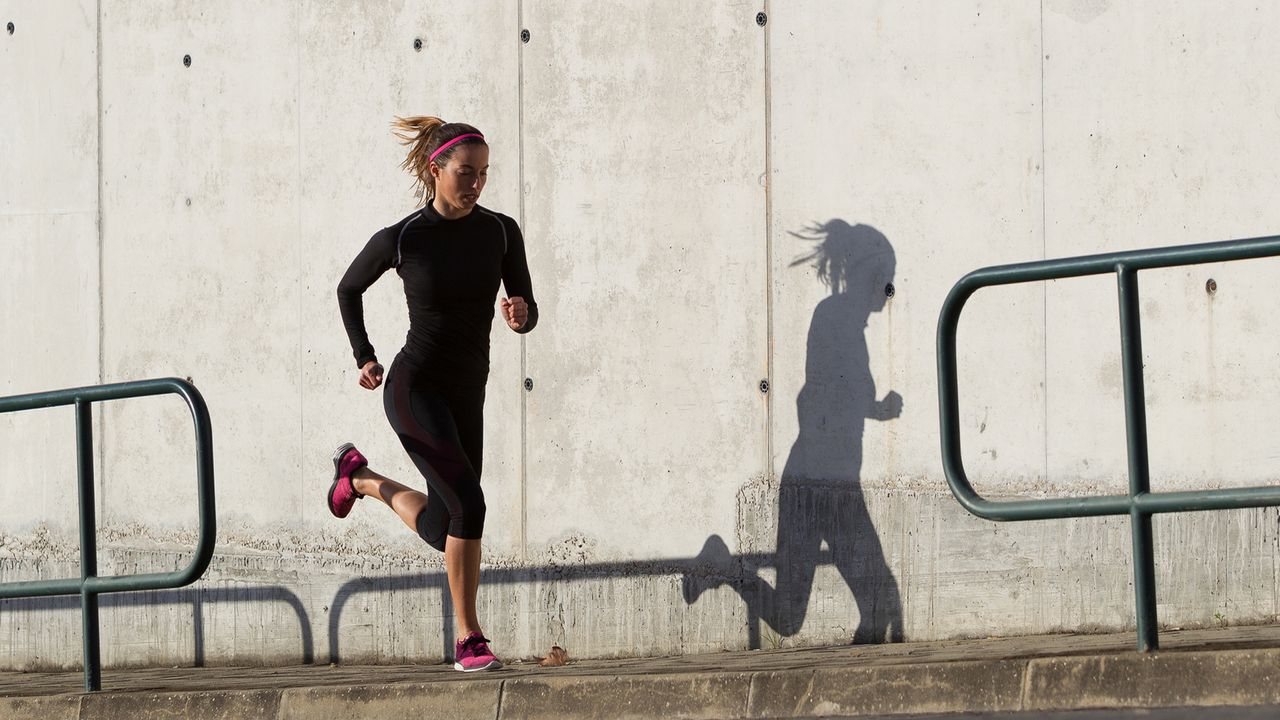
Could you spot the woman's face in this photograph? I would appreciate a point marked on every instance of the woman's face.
(460, 181)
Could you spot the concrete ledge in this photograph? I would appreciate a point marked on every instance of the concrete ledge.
(941, 687)
(62, 707)
(1041, 673)
(462, 699)
(1227, 677)
(701, 695)
(215, 705)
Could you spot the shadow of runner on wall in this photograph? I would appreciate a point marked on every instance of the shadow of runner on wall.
(820, 498)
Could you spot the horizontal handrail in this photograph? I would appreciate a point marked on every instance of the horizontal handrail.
(1057, 508)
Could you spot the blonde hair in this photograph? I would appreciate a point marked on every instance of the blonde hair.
(423, 135)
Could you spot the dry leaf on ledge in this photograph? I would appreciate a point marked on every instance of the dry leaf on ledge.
(556, 658)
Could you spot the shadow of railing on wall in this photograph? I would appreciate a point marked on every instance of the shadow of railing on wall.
(197, 598)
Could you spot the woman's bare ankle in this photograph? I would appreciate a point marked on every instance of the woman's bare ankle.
(362, 481)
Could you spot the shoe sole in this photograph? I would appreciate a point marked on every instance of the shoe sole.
(342, 450)
(494, 664)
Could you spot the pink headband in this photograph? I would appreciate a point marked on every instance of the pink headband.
(453, 142)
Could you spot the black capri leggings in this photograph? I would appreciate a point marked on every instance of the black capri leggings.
(442, 428)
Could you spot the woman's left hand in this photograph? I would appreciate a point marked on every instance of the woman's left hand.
(515, 311)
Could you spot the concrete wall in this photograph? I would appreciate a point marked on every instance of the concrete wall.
(681, 174)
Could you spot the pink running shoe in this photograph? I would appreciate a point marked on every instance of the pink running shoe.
(342, 493)
(471, 654)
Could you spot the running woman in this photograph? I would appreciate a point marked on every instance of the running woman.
(451, 255)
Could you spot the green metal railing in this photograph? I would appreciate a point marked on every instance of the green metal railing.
(89, 585)
(1140, 504)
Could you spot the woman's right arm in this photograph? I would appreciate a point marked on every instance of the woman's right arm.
(378, 256)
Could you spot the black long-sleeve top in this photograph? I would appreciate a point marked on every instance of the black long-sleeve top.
(451, 270)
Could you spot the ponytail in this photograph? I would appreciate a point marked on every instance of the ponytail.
(424, 135)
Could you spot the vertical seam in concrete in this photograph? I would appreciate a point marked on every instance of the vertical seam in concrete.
(102, 301)
(524, 357)
(1044, 247)
(502, 687)
(302, 386)
(768, 243)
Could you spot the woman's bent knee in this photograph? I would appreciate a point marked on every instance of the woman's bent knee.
(432, 532)
(468, 522)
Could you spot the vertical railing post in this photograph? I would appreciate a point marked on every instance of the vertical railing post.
(1135, 412)
(88, 545)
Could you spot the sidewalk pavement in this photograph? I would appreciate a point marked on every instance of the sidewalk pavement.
(1221, 666)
